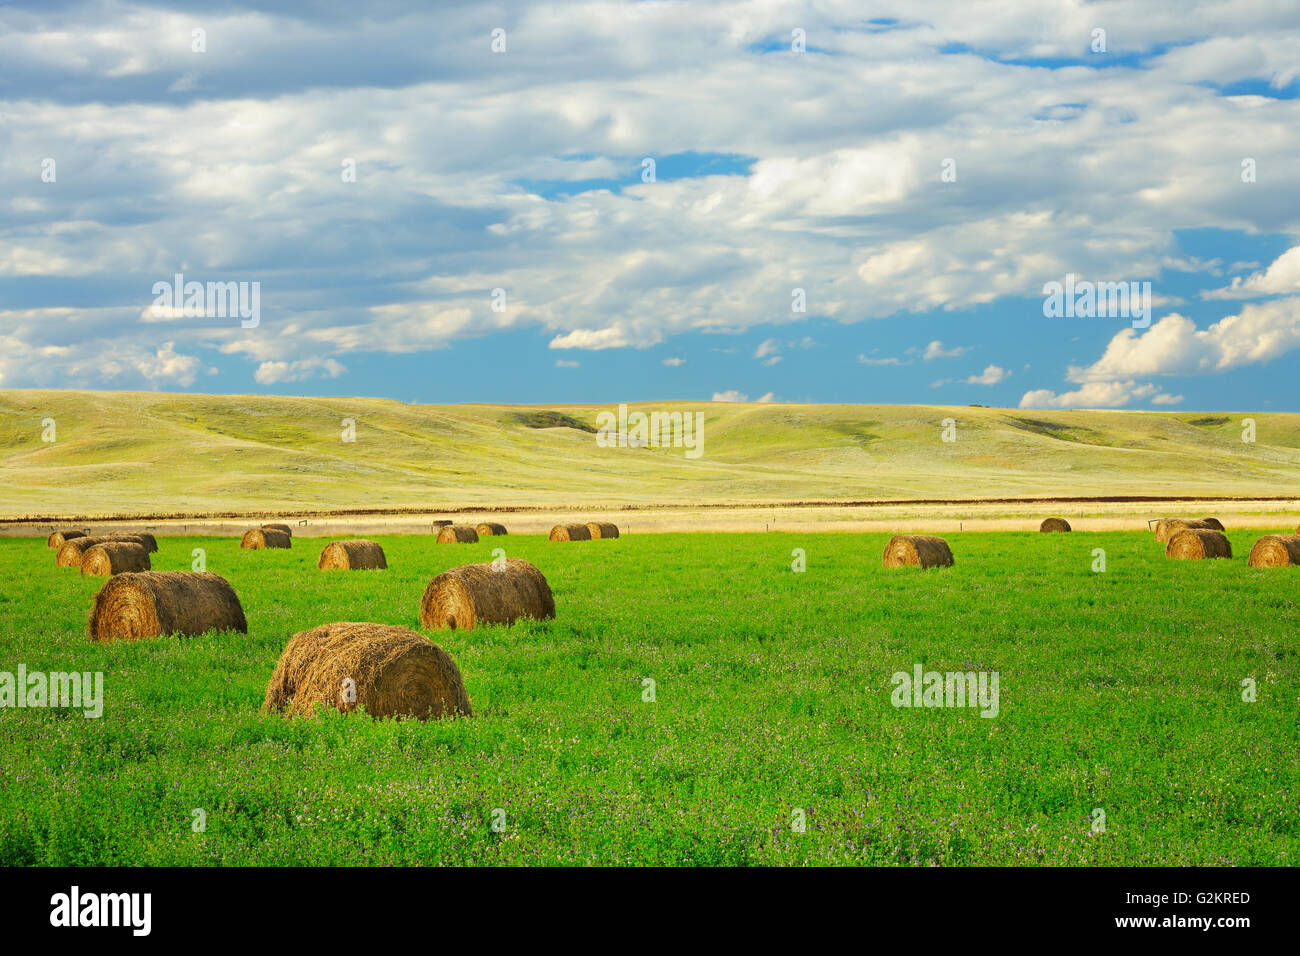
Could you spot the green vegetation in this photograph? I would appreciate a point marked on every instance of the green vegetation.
(547, 419)
(1060, 430)
(122, 453)
(1119, 691)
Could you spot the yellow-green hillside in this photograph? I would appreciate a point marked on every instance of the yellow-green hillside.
(151, 453)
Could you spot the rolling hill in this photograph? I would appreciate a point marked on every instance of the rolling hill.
(159, 453)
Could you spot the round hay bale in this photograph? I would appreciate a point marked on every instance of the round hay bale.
(602, 529)
(144, 537)
(70, 552)
(570, 532)
(491, 529)
(114, 557)
(442, 522)
(390, 671)
(259, 538)
(279, 527)
(1166, 528)
(1193, 544)
(143, 604)
(1275, 551)
(355, 555)
(1055, 524)
(457, 534)
(56, 539)
(481, 594)
(922, 550)
(68, 556)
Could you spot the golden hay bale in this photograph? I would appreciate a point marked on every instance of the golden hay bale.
(259, 538)
(114, 557)
(70, 552)
(279, 527)
(1192, 544)
(1166, 528)
(923, 550)
(1275, 551)
(149, 541)
(1054, 524)
(570, 532)
(457, 534)
(602, 529)
(481, 594)
(391, 671)
(132, 606)
(355, 555)
(142, 537)
(490, 529)
(56, 539)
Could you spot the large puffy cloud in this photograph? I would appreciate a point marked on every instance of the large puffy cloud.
(1280, 278)
(1092, 395)
(226, 165)
(1175, 346)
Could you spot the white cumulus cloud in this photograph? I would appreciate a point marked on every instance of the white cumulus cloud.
(990, 376)
(268, 373)
(1280, 278)
(935, 350)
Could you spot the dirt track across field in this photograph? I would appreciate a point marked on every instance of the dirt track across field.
(1119, 513)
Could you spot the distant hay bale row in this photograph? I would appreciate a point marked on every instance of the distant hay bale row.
(919, 550)
(492, 593)
(457, 534)
(114, 557)
(591, 531)
(1275, 551)
(70, 552)
(1194, 544)
(258, 538)
(1166, 528)
(570, 532)
(56, 538)
(358, 554)
(1054, 524)
(131, 606)
(388, 670)
(490, 529)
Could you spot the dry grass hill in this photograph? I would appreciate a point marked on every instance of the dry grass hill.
(159, 453)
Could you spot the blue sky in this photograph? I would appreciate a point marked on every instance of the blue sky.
(920, 171)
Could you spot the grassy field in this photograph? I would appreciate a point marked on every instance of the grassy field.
(1118, 690)
(124, 453)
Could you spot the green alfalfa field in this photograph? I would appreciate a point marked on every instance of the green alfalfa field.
(1120, 691)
